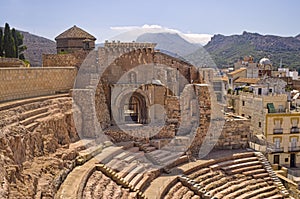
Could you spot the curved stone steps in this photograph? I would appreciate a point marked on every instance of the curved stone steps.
(217, 183)
(16, 103)
(173, 190)
(256, 192)
(277, 196)
(272, 174)
(210, 180)
(32, 126)
(181, 192)
(137, 170)
(244, 189)
(29, 112)
(73, 184)
(240, 165)
(127, 169)
(202, 178)
(269, 194)
(131, 166)
(230, 182)
(254, 172)
(33, 118)
(231, 189)
(233, 162)
(101, 186)
(244, 169)
(198, 173)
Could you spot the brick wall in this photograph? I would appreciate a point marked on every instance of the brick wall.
(17, 83)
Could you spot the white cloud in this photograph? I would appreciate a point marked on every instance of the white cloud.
(135, 31)
(197, 38)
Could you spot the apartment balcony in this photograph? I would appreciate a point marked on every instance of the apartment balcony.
(278, 131)
(295, 130)
(277, 150)
(294, 149)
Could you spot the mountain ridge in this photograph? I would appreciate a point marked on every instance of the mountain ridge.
(171, 42)
(36, 47)
(226, 50)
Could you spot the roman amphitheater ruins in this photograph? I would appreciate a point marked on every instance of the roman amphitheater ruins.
(128, 121)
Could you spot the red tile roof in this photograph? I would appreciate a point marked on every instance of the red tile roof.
(75, 33)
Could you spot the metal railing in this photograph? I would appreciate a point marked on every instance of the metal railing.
(278, 131)
(277, 149)
(294, 148)
(295, 130)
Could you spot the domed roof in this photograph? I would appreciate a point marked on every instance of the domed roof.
(265, 61)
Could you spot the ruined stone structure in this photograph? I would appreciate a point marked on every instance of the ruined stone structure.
(11, 62)
(65, 60)
(137, 115)
(73, 45)
(143, 86)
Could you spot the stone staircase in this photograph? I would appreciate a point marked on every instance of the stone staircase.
(272, 174)
(245, 175)
(131, 166)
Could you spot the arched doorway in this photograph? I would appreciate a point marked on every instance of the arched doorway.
(135, 109)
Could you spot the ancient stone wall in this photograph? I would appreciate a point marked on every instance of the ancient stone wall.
(63, 60)
(11, 62)
(235, 134)
(34, 158)
(204, 101)
(17, 83)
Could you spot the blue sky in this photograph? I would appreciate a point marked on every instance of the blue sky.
(49, 18)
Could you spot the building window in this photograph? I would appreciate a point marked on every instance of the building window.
(259, 91)
(294, 141)
(277, 127)
(243, 102)
(280, 109)
(259, 124)
(295, 128)
(270, 90)
(277, 143)
(286, 159)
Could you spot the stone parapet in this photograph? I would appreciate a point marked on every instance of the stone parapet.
(18, 83)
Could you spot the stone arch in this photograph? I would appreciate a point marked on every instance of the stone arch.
(139, 110)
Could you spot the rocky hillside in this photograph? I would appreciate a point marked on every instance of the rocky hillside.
(225, 50)
(169, 42)
(36, 46)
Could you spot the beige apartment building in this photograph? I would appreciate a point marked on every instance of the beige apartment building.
(268, 108)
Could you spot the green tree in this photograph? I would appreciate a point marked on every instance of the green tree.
(8, 43)
(20, 48)
(14, 35)
(1, 42)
